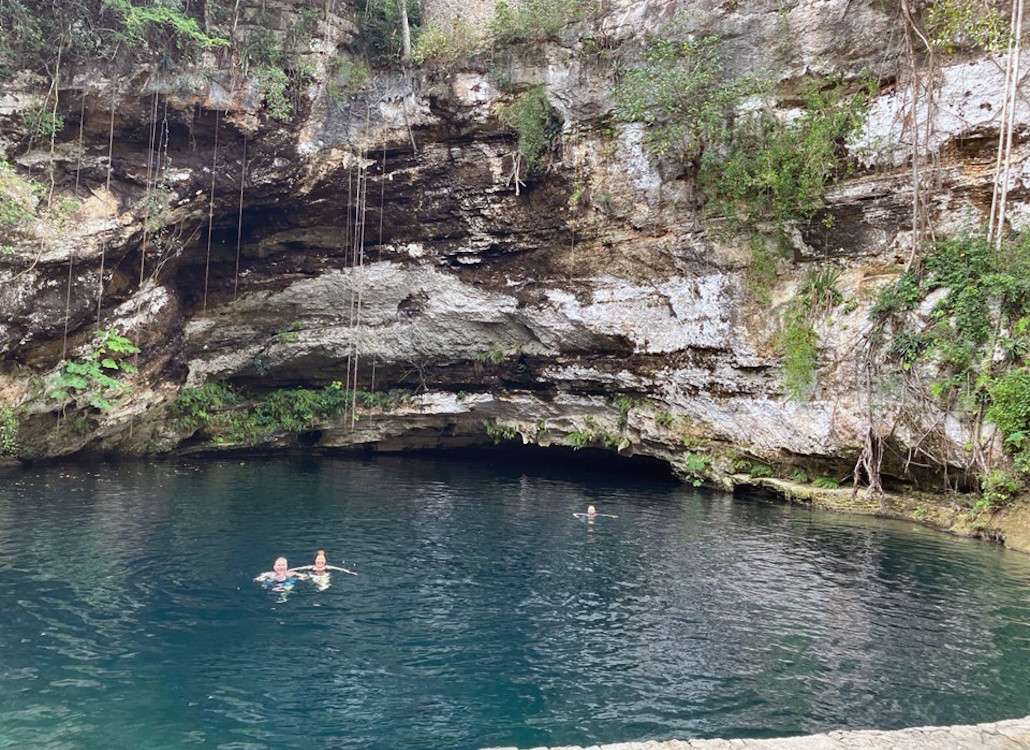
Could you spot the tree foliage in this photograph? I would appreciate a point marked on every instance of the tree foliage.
(156, 31)
(680, 92)
(776, 170)
(972, 350)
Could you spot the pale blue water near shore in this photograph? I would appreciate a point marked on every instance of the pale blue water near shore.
(484, 613)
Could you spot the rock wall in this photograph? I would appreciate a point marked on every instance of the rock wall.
(386, 238)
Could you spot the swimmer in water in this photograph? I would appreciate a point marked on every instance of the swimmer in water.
(591, 514)
(319, 567)
(280, 577)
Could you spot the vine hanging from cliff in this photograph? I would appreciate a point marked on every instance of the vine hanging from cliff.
(965, 359)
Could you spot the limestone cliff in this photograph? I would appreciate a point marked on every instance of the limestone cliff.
(385, 236)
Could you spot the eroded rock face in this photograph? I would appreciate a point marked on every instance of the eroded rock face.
(388, 239)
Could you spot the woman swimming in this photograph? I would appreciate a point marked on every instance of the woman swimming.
(318, 571)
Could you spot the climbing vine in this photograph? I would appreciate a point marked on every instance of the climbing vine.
(967, 355)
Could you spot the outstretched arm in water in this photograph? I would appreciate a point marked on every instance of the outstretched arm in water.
(342, 570)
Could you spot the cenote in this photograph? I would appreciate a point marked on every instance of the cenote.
(483, 614)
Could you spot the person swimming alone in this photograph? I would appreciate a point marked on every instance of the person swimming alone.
(591, 514)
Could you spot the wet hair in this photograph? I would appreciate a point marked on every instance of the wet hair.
(317, 553)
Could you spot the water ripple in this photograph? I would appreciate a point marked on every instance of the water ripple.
(483, 613)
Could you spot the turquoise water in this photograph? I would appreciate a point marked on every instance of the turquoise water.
(484, 613)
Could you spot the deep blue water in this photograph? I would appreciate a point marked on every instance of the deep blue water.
(483, 614)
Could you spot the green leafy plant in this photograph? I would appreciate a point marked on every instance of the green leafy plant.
(194, 407)
(493, 356)
(580, 438)
(818, 293)
(380, 28)
(535, 122)
(446, 48)
(775, 170)
(161, 31)
(95, 376)
(664, 419)
(499, 432)
(273, 83)
(233, 416)
(966, 23)
(623, 403)
(800, 354)
(680, 92)
(799, 476)
(288, 334)
(8, 432)
(695, 467)
(41, 123)
(535, 20)
(974, 347)
(897, 298)
(260, 48)
(826, 483)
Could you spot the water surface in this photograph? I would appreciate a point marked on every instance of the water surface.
(484, 613)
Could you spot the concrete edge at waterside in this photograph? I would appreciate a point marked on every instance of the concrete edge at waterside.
(1013, 734)
(1009, 526)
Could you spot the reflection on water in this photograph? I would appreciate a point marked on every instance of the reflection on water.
(484, 613)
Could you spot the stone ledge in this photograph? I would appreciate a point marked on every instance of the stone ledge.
(1013, 734)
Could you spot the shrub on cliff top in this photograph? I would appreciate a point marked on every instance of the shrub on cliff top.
(380, 25)
(33, 32)
(535, 20)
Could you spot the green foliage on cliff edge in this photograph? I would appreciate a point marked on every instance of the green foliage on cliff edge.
(236, 417)
(84, 31)
(971, 354)
(680, 92)
(95, 375)
(8, 432)
(536, 123)
(535, 20)
(756, 166)
(773, 170)
(380, 28)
